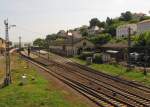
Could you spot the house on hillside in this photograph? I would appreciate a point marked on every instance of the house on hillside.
(2, 46)
(95, 30)
(143, 26)
(123, 30)
(69, 47)
(76, 34)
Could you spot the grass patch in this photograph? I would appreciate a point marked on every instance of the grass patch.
(36, 93)
(118, 70)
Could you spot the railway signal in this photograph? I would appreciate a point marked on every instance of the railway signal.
(7, 79)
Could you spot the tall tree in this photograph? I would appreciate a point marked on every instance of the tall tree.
(127, 16)
(109, 21)
(51, 37)
(94, 22)
(39, 42)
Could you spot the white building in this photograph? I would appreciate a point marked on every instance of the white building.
(123, 30)
(143, 26)
(95, 30)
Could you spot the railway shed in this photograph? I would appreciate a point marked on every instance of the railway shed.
(117, 51)
(71, 46)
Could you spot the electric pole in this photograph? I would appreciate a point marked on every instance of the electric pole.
(129, 46)
(7, 79)
(19, 42)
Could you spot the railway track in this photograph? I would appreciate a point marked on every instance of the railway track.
(117, 79)
(92, 71)
(110, 92)
(99, 100)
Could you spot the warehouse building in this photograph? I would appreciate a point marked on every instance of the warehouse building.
(70, 46)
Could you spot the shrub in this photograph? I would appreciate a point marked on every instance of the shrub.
(97, 58)
(84, 55)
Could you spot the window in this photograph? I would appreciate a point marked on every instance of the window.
(84, 43)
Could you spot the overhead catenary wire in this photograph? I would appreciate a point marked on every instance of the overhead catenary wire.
(29, 30)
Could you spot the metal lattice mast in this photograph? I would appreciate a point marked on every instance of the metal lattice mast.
(7, 80)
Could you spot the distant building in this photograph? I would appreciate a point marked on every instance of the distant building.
(143, 26)
(2, 46)
(71, 47)
(23, 44)
(122, 31)
(76, 34)
(138, 15)
(95, 30)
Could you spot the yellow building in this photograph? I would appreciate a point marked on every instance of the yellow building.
(2, 46)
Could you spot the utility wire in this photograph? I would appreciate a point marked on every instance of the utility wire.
(28, 30)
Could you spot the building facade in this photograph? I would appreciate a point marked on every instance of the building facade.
(143, 26)
(95, 30)
(2, 46)
(123, 30)
(71, 47)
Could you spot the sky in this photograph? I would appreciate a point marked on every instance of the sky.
(37, 18)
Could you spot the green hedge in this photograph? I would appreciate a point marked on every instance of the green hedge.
(97, 58)
(84, 55)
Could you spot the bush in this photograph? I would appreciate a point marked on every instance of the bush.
(84, 55)
(100, 39)
(97, 58)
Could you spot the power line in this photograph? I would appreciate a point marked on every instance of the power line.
(28, 30)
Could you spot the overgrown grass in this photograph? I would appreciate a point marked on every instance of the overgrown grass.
(118, 70)
(36, 93)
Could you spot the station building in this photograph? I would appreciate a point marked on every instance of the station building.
(71, 46)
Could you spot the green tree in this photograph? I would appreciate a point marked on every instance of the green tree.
(109, 21)
(39, 42)
(51, 37)
(100, 39)
(127, 16)
(84, 32)
(143, 39)
(96, 22)
(111, 30)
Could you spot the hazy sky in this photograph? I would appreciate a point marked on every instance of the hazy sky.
(36, 18)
